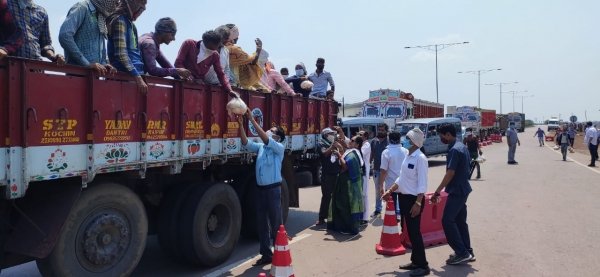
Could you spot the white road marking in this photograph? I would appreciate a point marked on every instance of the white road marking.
(593, 169)
(247, 260)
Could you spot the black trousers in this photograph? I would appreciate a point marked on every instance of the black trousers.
(327, 183)
(593, 153)
(413, 224)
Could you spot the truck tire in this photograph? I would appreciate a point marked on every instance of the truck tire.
(303, 179)
(210, 225)
(249, 228)
(104, 235)
(168, 218)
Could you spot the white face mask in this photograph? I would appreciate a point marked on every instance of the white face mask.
(331, 138)
(269, 134)
(285, 76)
(299, 72)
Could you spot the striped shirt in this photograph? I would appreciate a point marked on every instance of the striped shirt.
(80, 36)
(32, 20)
(11, 37)
(123, 51)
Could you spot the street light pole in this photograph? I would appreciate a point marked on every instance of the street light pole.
(523, 99)
(479, 72)
(513, 96)
(500, 85)
(436, 48)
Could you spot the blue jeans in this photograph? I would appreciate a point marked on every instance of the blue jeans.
(455, 225)
(268, 218)
(376, 174)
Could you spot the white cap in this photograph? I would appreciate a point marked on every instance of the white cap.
(416, 136)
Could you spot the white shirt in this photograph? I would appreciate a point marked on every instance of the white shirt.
(211, 76)
(366, 152)
(591, 136)
(413, 176)
(391, 161)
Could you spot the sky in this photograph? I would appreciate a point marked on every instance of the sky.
(549, 47)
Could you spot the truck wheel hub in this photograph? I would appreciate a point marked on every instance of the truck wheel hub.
(105, 239)
(213, 223)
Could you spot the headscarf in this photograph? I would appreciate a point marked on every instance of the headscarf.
(303, 67)
(234, 33)
(127, 8)
(105, 9)
(165, 25)
(416, 136)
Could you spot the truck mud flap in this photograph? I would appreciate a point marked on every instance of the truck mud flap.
(39, 217)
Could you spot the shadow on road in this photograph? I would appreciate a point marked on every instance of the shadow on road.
(436, 163)
(455, 270)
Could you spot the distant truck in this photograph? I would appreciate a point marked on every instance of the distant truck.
(553, 124)
(473, 117)
(518, 119)
(397, 105)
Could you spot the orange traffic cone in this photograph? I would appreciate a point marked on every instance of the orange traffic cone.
(282, 260)
(390, 243)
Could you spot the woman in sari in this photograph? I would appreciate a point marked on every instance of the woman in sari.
(244, 67)
(346, 208)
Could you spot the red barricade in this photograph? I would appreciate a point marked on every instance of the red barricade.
(431, 222)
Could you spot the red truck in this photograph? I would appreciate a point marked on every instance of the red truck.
(427, 109)
(89, 167)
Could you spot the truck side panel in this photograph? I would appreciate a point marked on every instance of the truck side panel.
(194, 115)
(488, 118)
(4, 140)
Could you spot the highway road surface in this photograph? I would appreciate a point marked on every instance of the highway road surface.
(537, 218)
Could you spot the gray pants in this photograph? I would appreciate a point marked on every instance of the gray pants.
(511, 152)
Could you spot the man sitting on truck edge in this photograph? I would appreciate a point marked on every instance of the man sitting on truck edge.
(164, 32)
(83, 34)
(199, 56)
(268, 177)
(32, 21)
(123, 51)
(320, 79)
(11, 37)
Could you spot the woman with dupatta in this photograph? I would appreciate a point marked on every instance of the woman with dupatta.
(244, 66)
(346, 207)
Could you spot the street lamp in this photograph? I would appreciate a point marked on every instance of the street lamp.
(522, 99)
(513, 96)
(500, 85)
(436, 48)
(479, 72)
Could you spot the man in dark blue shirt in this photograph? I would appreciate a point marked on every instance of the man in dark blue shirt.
(456, 182)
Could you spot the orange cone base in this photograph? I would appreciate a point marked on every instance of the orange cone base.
(400, 250)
